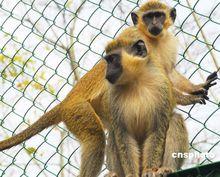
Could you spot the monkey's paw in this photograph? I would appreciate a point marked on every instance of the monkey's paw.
(199, 99)
(209, 81)
(160, 172)
(203, 88)
(150, 172)
(111, 174)
(164, 171)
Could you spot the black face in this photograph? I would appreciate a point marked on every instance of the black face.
(114, 66)
(154, 21)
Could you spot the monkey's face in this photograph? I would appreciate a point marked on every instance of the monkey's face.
(155, 21)
(124, 63)
(114, 67)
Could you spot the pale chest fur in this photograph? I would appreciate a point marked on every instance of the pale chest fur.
(167, 47)
(139, 107)
(138, 111)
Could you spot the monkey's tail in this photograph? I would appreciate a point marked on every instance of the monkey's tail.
(49, 118)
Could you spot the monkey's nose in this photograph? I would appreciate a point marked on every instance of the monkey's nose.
(155, 31)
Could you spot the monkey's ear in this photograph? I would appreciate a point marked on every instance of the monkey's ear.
(139, 49)
(134, 18)
(173, 14)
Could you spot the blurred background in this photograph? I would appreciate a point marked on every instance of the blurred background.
(46, 46)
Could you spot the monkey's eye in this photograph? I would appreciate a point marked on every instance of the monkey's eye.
(150, 15)
(157, 15)
(139, 49)
(112, 58)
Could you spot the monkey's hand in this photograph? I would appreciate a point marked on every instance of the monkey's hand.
(164, 171)
(111, 174)
(189, 99)
(201, 98)
(209, 81)
(158, 172)
(203, 88)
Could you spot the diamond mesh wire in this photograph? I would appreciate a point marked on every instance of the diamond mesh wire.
(46, 46)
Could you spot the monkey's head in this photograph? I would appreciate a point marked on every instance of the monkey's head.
(154, 18)
(125, 60)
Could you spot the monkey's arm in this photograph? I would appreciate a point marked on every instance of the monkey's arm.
(183, 99)
(183, 84)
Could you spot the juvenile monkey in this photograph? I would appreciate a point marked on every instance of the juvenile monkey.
(138, 88)
(141, 104)
(85, 112)
(153, 20)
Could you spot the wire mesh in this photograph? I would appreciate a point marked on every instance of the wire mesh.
(46, 46)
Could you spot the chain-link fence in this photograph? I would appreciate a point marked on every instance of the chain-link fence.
(46, 46)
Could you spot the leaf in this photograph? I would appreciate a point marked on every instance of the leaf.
(47, 48)
(43, 75)
(30, 150)
(23, 84)
(51, 89)
(6, 35)
(18, 59)
(13, 73)
(69, 3)
(2, 58)
(4, 75)
(37, 86)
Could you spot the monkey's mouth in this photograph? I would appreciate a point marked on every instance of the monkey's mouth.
(155, 31)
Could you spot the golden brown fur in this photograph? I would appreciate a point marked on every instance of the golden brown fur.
(141, 108)
(85, 109)
(85, 112)
(166, 45)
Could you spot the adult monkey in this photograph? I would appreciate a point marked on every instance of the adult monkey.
(141, 104)
(176, 138)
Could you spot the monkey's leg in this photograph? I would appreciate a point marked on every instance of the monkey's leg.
(176, 142)
(84, 123)
(128, 151)
(154, 146)
(113, 162)
(183, 84)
